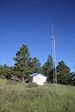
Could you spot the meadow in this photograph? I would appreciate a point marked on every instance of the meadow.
(20, 97)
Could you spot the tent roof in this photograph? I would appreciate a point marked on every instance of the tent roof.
(35, 74)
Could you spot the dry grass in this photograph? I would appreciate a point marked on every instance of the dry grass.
(19, 97)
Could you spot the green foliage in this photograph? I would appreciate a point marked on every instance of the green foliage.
(5, 70)
(63, 73)
(48, 69)
(22, 56)
(35, 65)
(22, 59)
(20, 98)
(25, 65)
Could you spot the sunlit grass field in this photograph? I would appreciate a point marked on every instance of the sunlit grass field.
(19, 97)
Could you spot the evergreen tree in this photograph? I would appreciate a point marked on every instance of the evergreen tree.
(25, 65)
(48, 69)
(22, 60)
(63, 73)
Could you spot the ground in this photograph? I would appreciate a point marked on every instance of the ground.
(20, 97)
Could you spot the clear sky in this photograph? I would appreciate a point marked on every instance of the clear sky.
(29, 22)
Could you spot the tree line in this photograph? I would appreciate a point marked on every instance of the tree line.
(25, 65)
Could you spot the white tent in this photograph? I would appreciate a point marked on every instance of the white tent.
(39, 79)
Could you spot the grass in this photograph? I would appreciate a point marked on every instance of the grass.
(19, 97)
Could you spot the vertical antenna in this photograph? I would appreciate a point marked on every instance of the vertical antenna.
(54, 57)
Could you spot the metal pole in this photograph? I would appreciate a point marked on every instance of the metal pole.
(54, 57)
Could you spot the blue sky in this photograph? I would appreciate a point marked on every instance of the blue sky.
(29, 22)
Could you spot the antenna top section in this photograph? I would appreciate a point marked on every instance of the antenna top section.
(53, 33)
(52, 30)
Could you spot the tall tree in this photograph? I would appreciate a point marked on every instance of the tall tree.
(48, 69)
(22, 60)
(63, 73)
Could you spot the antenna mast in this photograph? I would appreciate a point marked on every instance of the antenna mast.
(54, 57)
